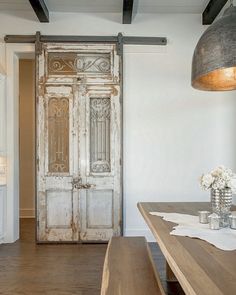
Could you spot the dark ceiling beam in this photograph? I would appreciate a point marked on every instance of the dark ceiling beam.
(212, 10)
(41, 10)
(127, 11)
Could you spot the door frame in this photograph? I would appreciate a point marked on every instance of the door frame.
(14, 52)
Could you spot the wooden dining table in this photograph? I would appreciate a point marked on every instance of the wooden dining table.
(199, 267)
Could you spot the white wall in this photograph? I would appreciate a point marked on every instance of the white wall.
(172, 133)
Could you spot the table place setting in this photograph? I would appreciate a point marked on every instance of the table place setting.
(189, 226)
(217, 227)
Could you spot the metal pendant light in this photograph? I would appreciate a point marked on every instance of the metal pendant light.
(214, 59)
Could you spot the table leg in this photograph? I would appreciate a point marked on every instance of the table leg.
(170, 276)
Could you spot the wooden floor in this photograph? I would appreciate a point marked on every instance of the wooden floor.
(28, 269)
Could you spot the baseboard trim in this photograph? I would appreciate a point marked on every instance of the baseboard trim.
(140, 232)
(27, 213)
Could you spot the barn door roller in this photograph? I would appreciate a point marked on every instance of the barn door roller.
(119, 39)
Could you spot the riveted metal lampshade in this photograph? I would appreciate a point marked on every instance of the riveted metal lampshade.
(214, 59)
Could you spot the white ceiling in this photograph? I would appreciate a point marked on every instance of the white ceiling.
(172, 6)
(143, 6)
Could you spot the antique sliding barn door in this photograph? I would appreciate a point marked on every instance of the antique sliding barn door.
(78, 143)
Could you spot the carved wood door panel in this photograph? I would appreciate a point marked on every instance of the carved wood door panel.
(101, 205)
(78, 143)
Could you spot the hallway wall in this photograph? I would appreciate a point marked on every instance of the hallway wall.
(27, 136)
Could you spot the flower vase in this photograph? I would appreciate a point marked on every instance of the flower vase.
(221, 201)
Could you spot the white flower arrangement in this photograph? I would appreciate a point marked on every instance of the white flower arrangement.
(219, 178)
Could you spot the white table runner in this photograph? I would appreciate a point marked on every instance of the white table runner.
(189, 226)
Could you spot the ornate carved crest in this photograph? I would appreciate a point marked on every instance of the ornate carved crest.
(73, 63)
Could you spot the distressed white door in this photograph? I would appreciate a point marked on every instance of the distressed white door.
(78, 143)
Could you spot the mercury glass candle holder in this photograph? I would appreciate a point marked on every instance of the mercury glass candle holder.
(214, 221)
(203, 216)
(232, 221)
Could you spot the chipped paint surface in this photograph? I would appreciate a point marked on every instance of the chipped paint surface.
(65, 212)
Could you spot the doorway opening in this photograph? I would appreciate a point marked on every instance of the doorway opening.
(27, 148)
(103, 92)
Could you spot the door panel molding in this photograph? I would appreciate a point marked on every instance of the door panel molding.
(56, 212)
(104, 220)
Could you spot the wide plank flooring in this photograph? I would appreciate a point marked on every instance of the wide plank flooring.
(28, 269)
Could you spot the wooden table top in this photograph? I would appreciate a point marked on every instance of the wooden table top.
(200, 267)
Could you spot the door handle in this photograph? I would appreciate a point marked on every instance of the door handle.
(85, 186)
(77, 184)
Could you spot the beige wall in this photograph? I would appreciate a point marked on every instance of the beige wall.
(27, 131)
